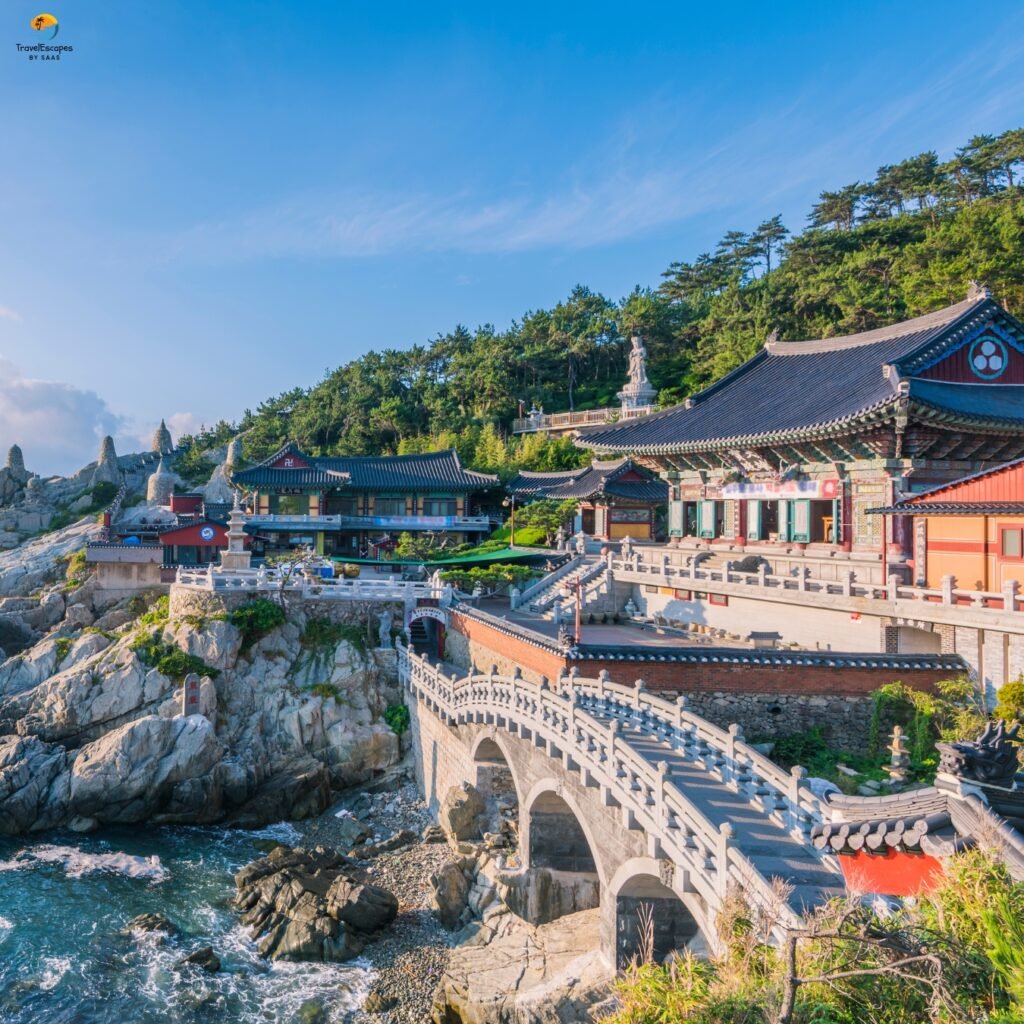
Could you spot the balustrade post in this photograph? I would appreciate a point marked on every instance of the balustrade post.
(892, 588)
(725, 834)
(1011, 588)
(681, 703)
(848, 577)
(602, 682)
(802, 573)
(797, 775)
(638, 692)
(948, 585)
(733, 736)
(613, 732)
(762, 575)
(659, 794)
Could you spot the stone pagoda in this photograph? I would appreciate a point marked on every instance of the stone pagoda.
(236, 556)
(162, 442)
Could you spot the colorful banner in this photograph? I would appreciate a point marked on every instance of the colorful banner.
(775, 490)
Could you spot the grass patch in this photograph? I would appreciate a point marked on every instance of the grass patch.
(62, 646)
(158, 614)
(76, 570)
(526, 537)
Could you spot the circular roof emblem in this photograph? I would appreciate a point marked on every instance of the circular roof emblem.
(988, 357)
(46, 25)
(207, 533)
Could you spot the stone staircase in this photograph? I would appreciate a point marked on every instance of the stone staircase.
(590, 573)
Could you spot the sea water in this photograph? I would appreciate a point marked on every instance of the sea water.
(65, 900)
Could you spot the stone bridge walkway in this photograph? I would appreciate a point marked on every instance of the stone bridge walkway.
(695, 796)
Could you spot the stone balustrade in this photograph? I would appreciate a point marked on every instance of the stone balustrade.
(592, 724)
(648, 566)
(310, 587)
(525, 596)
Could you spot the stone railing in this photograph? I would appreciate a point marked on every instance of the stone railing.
(397, 522)
(650, 566)
(581, 720)
(273, 581)
(583, 418)
(582, 575)
(525, 596)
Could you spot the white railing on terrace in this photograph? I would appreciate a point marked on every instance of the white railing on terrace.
(338, 588)
(524, 596)
(648, 567)
(582, 574)
(338, 522)
(582, 718)
(583, 418)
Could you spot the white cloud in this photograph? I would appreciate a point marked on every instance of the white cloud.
(177, 423)
(6, 313)
(58, 426)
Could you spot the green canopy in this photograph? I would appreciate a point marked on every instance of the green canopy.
(516, 554)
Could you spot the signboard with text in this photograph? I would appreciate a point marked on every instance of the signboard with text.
(776, 490)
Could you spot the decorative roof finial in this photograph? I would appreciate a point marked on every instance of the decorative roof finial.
(773, 337)
(976, 291)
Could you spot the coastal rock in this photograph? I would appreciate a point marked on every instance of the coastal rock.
(204, 958)
(148, 766)
(29, 798)
(450, 892)
(552, 974)
(150, 923)
(306, 908)
(461, 811)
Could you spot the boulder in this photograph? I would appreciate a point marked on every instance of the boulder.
(450, 892)
(302, 906)
(552, 974)
(150, 923)
(461, 811)
(30, 771)
(204, 958)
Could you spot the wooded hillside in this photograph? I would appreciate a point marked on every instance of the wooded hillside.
(872, 253)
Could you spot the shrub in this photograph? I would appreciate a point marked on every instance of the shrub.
(255, 619)
(63, 645)
(169, 659)
(324, 635)
(1010, 701)
(397, 716)
(76, 570)
(326, 691)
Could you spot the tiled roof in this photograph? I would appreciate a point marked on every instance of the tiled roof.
(434, 471)
(812, 386)
(527, 484)
(952, 508)
(604, 478)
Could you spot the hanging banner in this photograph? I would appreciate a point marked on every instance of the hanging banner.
(429, 612)
(775, 490)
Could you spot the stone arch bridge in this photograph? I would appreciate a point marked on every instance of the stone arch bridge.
(624, 798)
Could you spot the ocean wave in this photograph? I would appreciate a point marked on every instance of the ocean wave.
(77, 862)
(54, 968)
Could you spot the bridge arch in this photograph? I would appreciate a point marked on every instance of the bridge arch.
(494, 775)
(643, 893)
(556, 834)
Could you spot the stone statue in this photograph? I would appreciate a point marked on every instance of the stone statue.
(560, 539)
(991, 758)
(581, 543)
(384, 630)
(638, 392)
(637, 363)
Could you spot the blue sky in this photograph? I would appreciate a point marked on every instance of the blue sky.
(205, 205)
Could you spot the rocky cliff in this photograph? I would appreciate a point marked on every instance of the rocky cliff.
(91, 725)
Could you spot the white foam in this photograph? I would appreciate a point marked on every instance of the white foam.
(5, 926)
(55, 969)
(78, 862)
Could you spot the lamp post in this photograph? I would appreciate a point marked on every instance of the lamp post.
(568, 587)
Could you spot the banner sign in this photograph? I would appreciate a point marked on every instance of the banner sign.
(429, 612)
(775, 490)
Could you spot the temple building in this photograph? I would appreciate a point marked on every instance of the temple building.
(970, 531)
(788, 454)
(350, 506)
(616, 499)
